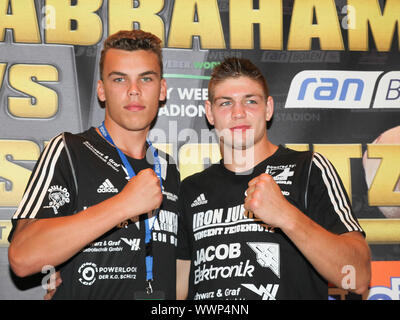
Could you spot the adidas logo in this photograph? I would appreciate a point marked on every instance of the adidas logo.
(107, 187)
(201, 199)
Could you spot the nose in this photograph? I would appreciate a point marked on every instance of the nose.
(133, 89)
(238, 111)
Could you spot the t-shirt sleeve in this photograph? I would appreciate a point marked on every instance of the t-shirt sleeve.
(184, 251)
(327, 201)
(50, 190)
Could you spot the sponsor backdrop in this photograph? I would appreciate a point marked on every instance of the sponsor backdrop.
(333, 68)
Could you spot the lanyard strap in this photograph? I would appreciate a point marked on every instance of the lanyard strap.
(157, 169)
(127, 165)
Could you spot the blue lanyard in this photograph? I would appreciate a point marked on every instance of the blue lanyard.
(131, 173)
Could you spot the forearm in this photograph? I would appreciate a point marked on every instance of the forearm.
(53, 241)
(182, 279)
(332, 255)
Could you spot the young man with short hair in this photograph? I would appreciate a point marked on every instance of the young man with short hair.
(272, 223)
(95, 199)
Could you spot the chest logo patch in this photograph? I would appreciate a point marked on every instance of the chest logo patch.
(267, 255)
(267, 292)
(58, 196)
(281, 174)
(201, 199)
(107, 187)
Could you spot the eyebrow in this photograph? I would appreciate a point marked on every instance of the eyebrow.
(145, 73)
(116, 73)
(150, 72)
(231, 98)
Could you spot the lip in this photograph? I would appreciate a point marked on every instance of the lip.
(240, 128)
(134, 107)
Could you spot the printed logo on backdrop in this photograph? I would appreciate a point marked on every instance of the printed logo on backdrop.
(328, 89)
(385, 280)
(392, 292)
(58, 197)
(388, 91)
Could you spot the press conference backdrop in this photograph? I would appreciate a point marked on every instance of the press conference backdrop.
(333, 69)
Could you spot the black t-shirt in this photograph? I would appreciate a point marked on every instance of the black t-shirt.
(75, 172)
(236, 256)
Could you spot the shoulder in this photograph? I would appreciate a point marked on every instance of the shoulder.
(320, 160)
(165, 158)
(294, 154)
(321, 166)
(202, 177)
(77, 144)
(73, 138)
(289, 158)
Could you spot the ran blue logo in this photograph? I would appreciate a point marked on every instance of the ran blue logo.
(331, 89)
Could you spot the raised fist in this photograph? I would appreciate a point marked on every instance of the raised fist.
(264, 198)
(142, 194)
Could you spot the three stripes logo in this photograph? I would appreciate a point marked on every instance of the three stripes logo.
(201, 199)
(107, 187)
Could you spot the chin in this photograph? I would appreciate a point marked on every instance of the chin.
(237, 140)
(136, 124)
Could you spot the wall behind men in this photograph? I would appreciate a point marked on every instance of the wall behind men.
(333, 69)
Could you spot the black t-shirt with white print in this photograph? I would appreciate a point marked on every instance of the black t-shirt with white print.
(75, 172)
(235, 255)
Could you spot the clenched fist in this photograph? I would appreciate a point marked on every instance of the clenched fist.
(264, 198)
(141, 194)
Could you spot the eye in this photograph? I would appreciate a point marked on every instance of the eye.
(225, 103)
(147, 79)
(251, 101)
(119, 79)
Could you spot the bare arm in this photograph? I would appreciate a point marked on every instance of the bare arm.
(52, 241)
(330, 254)
(334, 256)
(182, 279)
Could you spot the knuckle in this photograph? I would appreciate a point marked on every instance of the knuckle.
(159, 198)
(267, 177)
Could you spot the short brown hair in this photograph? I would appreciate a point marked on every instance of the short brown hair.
(235, 68)
(132, 40)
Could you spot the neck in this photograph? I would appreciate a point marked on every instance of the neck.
(241, 160)
(131, 143)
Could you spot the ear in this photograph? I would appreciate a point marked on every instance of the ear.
(163, 90)
(209, 114)
(270, 108)
(100, 91)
